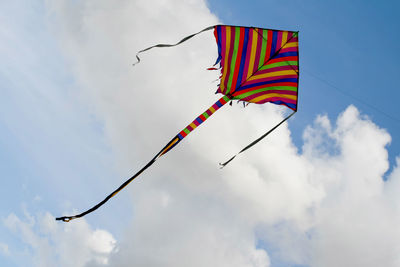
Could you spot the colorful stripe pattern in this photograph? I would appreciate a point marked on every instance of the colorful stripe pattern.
(199, 120)
(204, 116)
(258, 65)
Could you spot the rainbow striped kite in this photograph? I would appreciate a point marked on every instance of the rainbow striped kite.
(257, 66)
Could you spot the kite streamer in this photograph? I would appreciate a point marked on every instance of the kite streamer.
(257, 66)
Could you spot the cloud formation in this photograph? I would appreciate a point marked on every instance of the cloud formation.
(54, 244)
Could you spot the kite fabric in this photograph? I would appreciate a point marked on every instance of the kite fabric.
(257, 66)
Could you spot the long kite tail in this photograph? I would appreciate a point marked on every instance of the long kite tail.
(257, 140)
(171, 144)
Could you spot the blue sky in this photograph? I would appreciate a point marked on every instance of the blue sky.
(347, 51)
(76, 120)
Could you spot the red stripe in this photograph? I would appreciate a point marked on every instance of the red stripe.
(223, 54)
(269, 43)
(280, 68)
(183, 134)
(248, 55)
(286, 92)
(238, 59)
(216, 33)
(269, 79)
(281, 59)
(258, 50)
(279, 41)
(288, 49)
(229, 58)
(202, 117)
(270, 99)
(269, 92)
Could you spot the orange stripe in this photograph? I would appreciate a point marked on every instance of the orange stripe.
(273, 74)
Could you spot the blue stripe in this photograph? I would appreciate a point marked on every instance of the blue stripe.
(243, 59)
(273, 45)
(293, 80)
(180, 136)
(199, 120)
(279, 102)
(218, 104)
(218, 28)
(287, 54)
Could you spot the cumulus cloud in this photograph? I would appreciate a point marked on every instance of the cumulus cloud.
(54, 244)
(324, 205)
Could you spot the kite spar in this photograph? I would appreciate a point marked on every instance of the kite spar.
(257, 66)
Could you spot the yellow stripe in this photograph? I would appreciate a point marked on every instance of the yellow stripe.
(284, 38)
(262, 97)
(253, 54)
(212, 109)
(193, 125)
(228, 44)
(273, 74)
(293, 44)
(168, 147)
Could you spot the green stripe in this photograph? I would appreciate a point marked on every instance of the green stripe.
(205, 115)
(285, 88)
(226, 98)
(233, 61)
(263, 48)
(279, 64)
(186, 131)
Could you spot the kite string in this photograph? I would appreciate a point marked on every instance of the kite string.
(352, 96)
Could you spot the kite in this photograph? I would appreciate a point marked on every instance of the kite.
(257, 66)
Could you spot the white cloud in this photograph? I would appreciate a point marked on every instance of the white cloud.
(324, 206)
(53, 244)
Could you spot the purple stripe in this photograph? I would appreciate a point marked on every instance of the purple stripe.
(288, 49)
(228, 70)
(270, 79)
(290, 67)
(268, 92)
(258, 51)
(286, 92)
(248, 55)
(270, 99)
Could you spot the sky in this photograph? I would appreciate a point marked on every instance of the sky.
(76, 120)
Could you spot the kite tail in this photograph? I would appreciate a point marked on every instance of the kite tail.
(170, 45)
(171, 144)
(257, 140)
